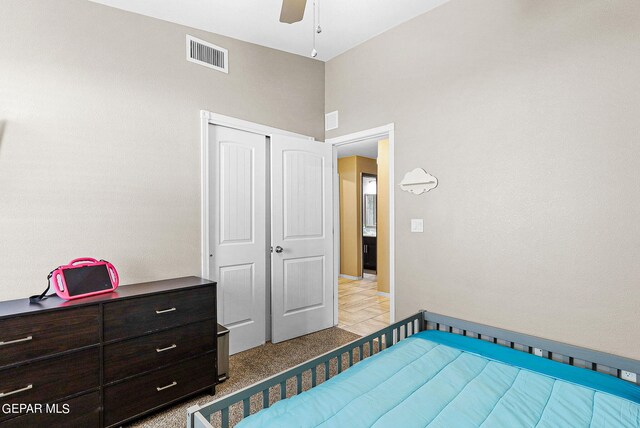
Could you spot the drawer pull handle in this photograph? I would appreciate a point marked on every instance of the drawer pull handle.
(164, 311)
(6, 394)
(167, 348)
(24, 339)
(160, 388)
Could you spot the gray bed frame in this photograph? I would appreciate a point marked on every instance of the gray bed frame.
(345, 356)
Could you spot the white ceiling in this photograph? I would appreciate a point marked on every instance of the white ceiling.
(366, 148)
(345, 23)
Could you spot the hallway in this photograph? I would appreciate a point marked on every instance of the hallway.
(360, 309)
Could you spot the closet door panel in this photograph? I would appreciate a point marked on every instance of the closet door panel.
(238, 262)
(302, 237)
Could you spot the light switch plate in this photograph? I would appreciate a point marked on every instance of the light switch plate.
(417, 225)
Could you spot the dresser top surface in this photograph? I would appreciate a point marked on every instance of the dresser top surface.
(11, 308)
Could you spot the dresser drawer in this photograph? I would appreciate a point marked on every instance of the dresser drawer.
(131, 398)
(134, 356)
(24, 338)
(130, 318)
(51, 379)
(81, 412)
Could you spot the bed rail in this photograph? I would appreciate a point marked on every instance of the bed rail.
(263, 394)
(602, 362)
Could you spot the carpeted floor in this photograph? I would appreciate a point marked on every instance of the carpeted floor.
(249, 367)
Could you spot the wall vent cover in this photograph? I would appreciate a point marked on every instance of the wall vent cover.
(331, 121)
(207, 54)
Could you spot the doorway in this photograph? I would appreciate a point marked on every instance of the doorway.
(365, 277)
(267, 224)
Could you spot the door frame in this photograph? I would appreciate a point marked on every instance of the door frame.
(381, 132)
(209, 118)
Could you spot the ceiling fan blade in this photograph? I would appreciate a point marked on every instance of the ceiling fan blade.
(292, 11)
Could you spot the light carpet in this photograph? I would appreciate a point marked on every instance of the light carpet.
(254, 365)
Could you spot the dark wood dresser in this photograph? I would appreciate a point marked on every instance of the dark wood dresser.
(108, 359)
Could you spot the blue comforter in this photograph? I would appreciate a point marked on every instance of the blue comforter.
(437, 379)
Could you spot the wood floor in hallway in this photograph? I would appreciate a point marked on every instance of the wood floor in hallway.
(360, 309)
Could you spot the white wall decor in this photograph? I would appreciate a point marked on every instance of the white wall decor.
(418, 181)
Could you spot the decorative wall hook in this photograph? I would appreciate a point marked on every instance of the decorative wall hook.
(418, 181)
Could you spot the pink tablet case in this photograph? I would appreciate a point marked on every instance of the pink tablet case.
(58, 283)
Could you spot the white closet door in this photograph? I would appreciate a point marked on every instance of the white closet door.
(301, 237)
(238, 241)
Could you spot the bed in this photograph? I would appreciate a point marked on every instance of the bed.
(437, 371)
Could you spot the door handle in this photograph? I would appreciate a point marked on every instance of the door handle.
(279, 249)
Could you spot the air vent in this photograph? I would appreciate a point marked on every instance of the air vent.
(207, 54)
(331, 121)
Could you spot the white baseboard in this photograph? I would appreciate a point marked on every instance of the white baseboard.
(355, 278)
(383, 294)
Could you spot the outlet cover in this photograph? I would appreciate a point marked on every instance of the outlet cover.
(631, 377)
(537, 351)
(417, 225)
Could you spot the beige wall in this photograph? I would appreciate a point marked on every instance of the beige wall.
(527, 112)
(350, 170)
(348, 216)
(100, 153)
(382, 232)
